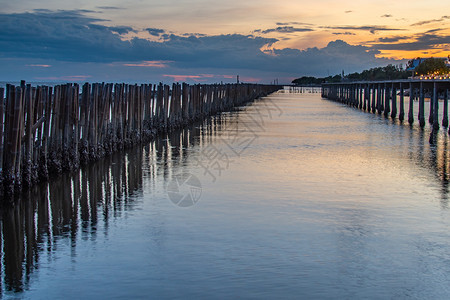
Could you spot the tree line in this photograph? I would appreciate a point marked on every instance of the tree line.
(390, 72)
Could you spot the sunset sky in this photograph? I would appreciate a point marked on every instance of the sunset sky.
(213, 41)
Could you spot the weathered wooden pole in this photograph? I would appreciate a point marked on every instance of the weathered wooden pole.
(13, 137)
(379, 106)
(159, 104)
(374, 89)
(445, 112)
(436, 106)
(166, 105)
(365, 97)
(387, 107)
(43, 169)
(366, 105)
(401, 115)
(394, 101)
(2, 142)
(20, 140)
(6, 166)
(360, 93)
(411, 104)
(348, 95)
(75, 115)
(431, 116)
(368, 98)
(27, 162)
(421, 106)
(93, 122)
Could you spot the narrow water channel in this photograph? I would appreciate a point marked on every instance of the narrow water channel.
(291, 195)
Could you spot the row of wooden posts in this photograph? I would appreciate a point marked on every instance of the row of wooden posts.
(46, 130)
(381, 97)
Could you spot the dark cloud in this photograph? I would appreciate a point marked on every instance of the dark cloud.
(165, 36)
(344, 33)
(393, 39)
(348, 11)
(431, 21)
(72, 36)
(155, 31)
(286, 29)
(108, 7)
(337, 55)
(68, 35)
(121, 29)
(293, 23)
(421, 42)
(371, 29)
(387, 16)
(62, 13)
(196, 34)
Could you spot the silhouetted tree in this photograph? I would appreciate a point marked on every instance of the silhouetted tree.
(389, 72)
(432, 66)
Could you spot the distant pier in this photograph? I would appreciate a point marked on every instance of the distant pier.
(300, 89)
(388, 98)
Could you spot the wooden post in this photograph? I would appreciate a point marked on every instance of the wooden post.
(43, 165)
(436, 106)
(360, 96)
(365, 97)
(75, 127)
(159, 103)
(184, 102)
(28, 137)
(373, 98)
(387, 108)
(411, 104)
(394, 102)
(445, 117)
(421, 106)
(12, 158)
(93, 123)
(54, 166)
(20, 138)
(37, 129)
(7, 165)
(401, 115)
(166, 106)
(2, 142)
(84, 122)
(431, 116)
(379, 104)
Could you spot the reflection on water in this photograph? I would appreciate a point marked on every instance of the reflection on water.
(70, 205)
(268, 221)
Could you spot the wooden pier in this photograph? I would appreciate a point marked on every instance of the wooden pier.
(388, 98)
(47, 130)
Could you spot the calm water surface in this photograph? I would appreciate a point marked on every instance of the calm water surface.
(292, 196)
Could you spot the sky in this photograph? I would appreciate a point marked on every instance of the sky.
(206, 41)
